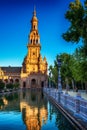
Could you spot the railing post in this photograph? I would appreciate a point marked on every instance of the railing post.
(65, 99)
(59, 94)
(77, 103)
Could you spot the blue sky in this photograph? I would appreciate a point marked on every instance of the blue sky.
(15, 17)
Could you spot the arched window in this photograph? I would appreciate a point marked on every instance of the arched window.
(24, 84)
(17, 80)
(31, 40)
(11, 80)
(33, 81)
(34, 26)
(6, 80)
(37, 41)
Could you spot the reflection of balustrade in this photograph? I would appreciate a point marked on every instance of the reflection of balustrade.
(76, 104)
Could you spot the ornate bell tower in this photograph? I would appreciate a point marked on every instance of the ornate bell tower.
(33, 62)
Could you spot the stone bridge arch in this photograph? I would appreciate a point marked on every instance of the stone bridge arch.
(33, 82)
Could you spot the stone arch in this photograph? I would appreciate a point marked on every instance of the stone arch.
(42, 84)
(6, 80)
(24, 84)
(34, 27)
(11, 80)
(36, 40)
(17, 80)
(31, 40)
(33, 82)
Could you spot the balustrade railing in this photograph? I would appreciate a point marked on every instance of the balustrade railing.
(77, 104)
(83, 108)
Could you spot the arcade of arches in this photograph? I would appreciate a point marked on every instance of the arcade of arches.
(33, 72)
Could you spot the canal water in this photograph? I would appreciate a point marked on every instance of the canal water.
(30, 110)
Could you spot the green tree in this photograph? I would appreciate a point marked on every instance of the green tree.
(78, 67)
(16, 85)
(2, 85)
(77, 16)
(65, 70)
(54, 76)
(77, 31)
(9, 86)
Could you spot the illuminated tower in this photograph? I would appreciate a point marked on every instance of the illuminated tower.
(33, 62)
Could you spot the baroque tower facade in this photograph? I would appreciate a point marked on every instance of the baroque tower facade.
(34, 67)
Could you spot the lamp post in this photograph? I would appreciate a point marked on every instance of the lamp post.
(59, 75)
(49, 81)
(67, 85)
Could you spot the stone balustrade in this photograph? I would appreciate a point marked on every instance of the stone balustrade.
(76, 104)
(83, 108)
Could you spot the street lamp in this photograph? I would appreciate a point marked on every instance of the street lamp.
(49, 82)
(59, 75)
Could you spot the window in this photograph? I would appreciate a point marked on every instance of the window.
(34, 26)
(37, 41)
(33, 53)
(31, 40)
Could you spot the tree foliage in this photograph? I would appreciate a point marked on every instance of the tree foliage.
(9, 86)
(77, 16)
(73, 68)
(77, 31)
(2, 85)
(79, 68)
(54, 72)
(65, 69)
(16, 85)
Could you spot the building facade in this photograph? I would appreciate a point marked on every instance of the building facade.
(33, 72)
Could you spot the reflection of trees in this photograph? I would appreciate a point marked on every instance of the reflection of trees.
(62, 123)
(11, 102)
(11, 97)
(1, 103)
(15, 96)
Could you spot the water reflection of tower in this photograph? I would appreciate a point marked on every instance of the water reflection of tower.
(34, 111)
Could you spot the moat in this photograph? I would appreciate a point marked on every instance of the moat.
(30, 110)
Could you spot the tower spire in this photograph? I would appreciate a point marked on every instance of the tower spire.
(34, 10)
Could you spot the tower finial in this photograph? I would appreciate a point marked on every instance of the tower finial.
(34, 10)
